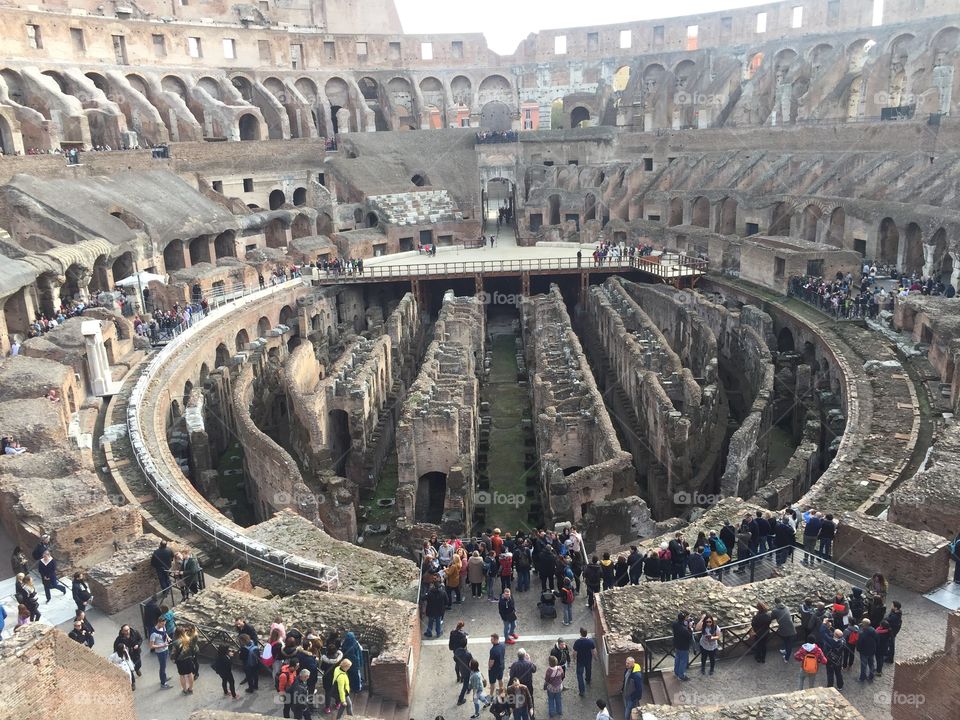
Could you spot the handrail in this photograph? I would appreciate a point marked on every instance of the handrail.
(675, 266)
(162, 478)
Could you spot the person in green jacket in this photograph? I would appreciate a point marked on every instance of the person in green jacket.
(341, 688)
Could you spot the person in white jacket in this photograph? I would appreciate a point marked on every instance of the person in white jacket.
(121, 658)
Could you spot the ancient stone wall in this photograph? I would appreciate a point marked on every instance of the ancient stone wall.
(42, 670)
(439, 422)
(917, 559)
(119, 582)
(925, 684)
(581, 460)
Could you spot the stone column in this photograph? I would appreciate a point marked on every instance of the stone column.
(98, 367)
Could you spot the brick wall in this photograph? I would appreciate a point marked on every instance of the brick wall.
(126, 577)
(915, 560)
(926, 688)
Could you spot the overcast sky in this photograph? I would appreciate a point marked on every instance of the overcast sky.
(506, 22)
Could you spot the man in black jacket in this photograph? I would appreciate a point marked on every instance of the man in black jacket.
(682, 640)
(827, 532)
(436, 606)
(593, 577)
(763, 532)
(678, 557)
(895, 620)
(729, 536)
(463, 658)
(867, 649)
(133, 641)
(783, 539)
(162, 562)
(635, 563)
(458, 639)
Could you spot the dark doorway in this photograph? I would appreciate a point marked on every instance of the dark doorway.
(431, 495)
(338, 430)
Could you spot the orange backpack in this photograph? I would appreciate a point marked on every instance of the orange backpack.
(810, 664)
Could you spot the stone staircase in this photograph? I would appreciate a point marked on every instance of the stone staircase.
(416, 208)
(374, 706)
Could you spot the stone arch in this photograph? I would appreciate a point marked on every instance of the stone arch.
(496, 116)
(173, 84)
(369, 88)
(324, 224)
(301, 227)
(299, 196)
(461, 91)
(675, 214)
(277, 199)
(820, 56)
(7, 143)
(857, 52)
(100, 279)
(785, 341)
(495, 88)
(621, 78)
(372, 219)
(99, 81)
(210, 86)
(838, 221)
(128, 219)
(288, 317)
(249, 127)
(15, 313)
(200, 250)
(275, 233)
(780, 219)
(225, 244)
(337, 92)
(700, 212)
(75, 282)
(264, 326)
(888, 242)
(308, 89)
(727, 222)
(431, 496)
(123, 266)
(222, 356)
(187, 393)
(241, 340)
(402, 99)
(173, 256)
(946, 40)
(810, 222)
(203, 374)
(901, 44)
(579, 115)
(913, 252)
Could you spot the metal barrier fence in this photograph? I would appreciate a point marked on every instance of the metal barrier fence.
(162, 476)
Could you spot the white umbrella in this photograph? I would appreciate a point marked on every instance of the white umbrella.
(139, 279)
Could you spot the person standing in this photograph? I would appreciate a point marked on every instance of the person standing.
(133, 641)
(682, 640)
(121, 658)
(496, 662)
(436, 606)
(160, 644)
(632, 686)
(184, 655)
(250, 654)
(353, 651)
(299, 696)
(567, 599)
(760, 628)
(709, 641)
(786, 630)
(341, 688)
(520, 699)
(463, 659)
(584, 649)
(458, 639)
(476, 682)
(48, 574)
(18, 562)
(593, 577)
(329, 660)
(475, 574)
(508, 614)
(523, 670)
(834, 649)
(553, 684)
(895, 620)
(223, 667)
(162, 562)
(811, 657)
(867, 649)
(26, 593)
(190, 574)
(81, 591)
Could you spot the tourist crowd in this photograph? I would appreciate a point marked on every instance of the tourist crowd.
(485, 137)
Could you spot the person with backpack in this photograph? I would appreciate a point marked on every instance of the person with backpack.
(786, 630)
(223, 667)
(665, 561)
(851, 636)
(566, 601)
(250, 654)
(593, 577)
(288, 675)
(811, 657)
(834, 648)
(506, 569)
(521, 562)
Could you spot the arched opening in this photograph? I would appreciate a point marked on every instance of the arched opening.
(338, 431)
(568, 471)
(15, 314)
(289, 318)
(621, 78)
(700, 213)
(496, 117)
(420, 180)
(727, 223)
(785, 340)
(200, 250)
(264, 326)
(100, 280)
(558, 121)
(939, 257)
(838, 220)
(372, 219)
(7, 145)
(889, 245)
(173, 256)
(913, 258)
(810, 222)
(123, 266)
(324, 224)
(301, 227)
(579, 117)
(187, 393)
(590, 207)
(676, 212)
(554, 206)
(223, 356)
(431, 497)
(242, 340)
(226, 244)
(277, 199)
(74, 286)
(780, 219)
(275, 233)
(300, 197)
(249, 127)
(204, 374)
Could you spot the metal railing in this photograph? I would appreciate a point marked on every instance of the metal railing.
(165, 478)
(672, 266)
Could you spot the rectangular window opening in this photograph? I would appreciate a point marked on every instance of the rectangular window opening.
(76, 37)
(393, 50)
(761, 22)
(657, 35)
(833, 12)
(361, 49)
(330, 50)
(797, 20)
(263, 48)
(456, 47)
(593, 42)
(194, 49)
(626, 39)
(779, 267)
(877, 12)
(120, 49)
(560, 45)
(426, 51)
(248, 184)
(159, 46)
(34, 38)
(693, 34)
(296, 56)
(648, 164)
(229, 49)
(218, 186)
